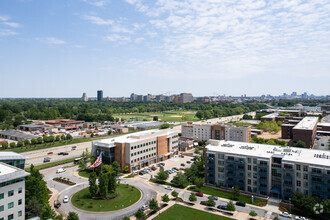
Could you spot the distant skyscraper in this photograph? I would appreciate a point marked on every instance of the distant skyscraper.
(99, 95)
(84, 97)
(186, 98)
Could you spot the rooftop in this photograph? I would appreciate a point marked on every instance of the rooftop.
(327, 124)
(7, 155)
(272, 115)
(17, 134)
(8, 172)
(138, 136)
(307, 123)
(288, 154)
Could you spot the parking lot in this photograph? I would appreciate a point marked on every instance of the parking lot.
(176, 161)
(322, 143)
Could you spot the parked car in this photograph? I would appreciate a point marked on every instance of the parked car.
(74, 147)
(149, 170)
(174, 168)
(47, 159)
(214, 197)
(285, 214)
(141, 173)
(300, 218)
(50, 153)
(181, 156)
(199, 194)
(188, 161)
(145, 207)
(65, 153)
(183, 164)
(223, 207)
(60, 153)
(203, 202)
(169, 187)
(61, 170)
(193, 159)
(153, 168)
(163, 164)
(241, 204)
(65, 199)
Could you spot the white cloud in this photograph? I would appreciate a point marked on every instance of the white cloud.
(52, 40)
(97, 3)
(4, 18)
(6, 32)
(12, 24)
(78, 46)
(98, 20)
(116, 38)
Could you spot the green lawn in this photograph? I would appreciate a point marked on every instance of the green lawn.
(85, 173)
(126, 197)
(163, 116)
(223, 194)
(179, 212)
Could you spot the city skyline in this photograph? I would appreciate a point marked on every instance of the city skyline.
(202, 47)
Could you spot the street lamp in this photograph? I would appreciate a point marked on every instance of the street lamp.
(290, 204)
(252, 199)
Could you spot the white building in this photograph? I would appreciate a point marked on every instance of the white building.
(12, 192)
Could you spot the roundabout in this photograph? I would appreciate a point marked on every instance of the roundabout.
(125, 196)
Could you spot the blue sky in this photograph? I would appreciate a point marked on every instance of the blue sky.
(62, 48)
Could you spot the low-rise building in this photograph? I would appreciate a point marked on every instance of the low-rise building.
(268, 170)
(139, 149)
(305, 131)
(67, 124)
(16, 135)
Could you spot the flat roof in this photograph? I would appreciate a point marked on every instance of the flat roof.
(8, 172)
(14, 133)
(34, 126)
(326, 124)
(8, 155)
(307, 123)
(134, 137)
(272, 115)
(289, 154)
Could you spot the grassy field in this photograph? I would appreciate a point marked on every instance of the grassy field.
(85, 173)
(52, 164)
(179, 212)
(168, 116)
(126, 197)
(223, 194)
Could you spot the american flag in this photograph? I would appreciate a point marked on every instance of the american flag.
(97, 162)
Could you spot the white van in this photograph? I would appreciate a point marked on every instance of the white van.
(61, 170)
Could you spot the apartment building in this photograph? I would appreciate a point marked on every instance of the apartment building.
(205, 132)
(139, 149)
(12, 192)
(268, 170)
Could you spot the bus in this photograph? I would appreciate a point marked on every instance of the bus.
(76, 161)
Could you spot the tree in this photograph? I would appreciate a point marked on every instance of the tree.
(301, 144)
(82, 165)
(109, 132)
(4, 145)
(48, 212)
(36, 191)
(51, 138)
(20, 144)
(12, 144)
(164, 126)
(180, 180)
(140, 214)
(276, 218)
(165, 198)
(126, 169)
(231, 206)
(200, 115)
(126, 218)
(112, 184)
(210, 202)
(116, 167)
(155, 118)
(26, 142)
(62, 137)
(72, 216)
(253, 213)
(92, 184)
(39, 140)
(174, 194)
(192, 197)
(153, 204)
(199, 182)
(45, 139)
(92, 134)
(58, 138)
(235, 193)
(68, 137)
(33, 141)
(161, 176)
(103, 184)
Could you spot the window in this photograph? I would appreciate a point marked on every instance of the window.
(297, 167)
(249, 167)
(19, 213)
(10, 205)
(298, 183)
(305, 176)
(20, 201)
(10, 193)
(10, 217)
(2, 195)
(298, 175)
(255, 161)
(2, 208)
(249, 160)
(305, 168)
(220, 156)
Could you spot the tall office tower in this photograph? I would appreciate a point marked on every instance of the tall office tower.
(186, 98)
(84, 97)
(99, 95)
